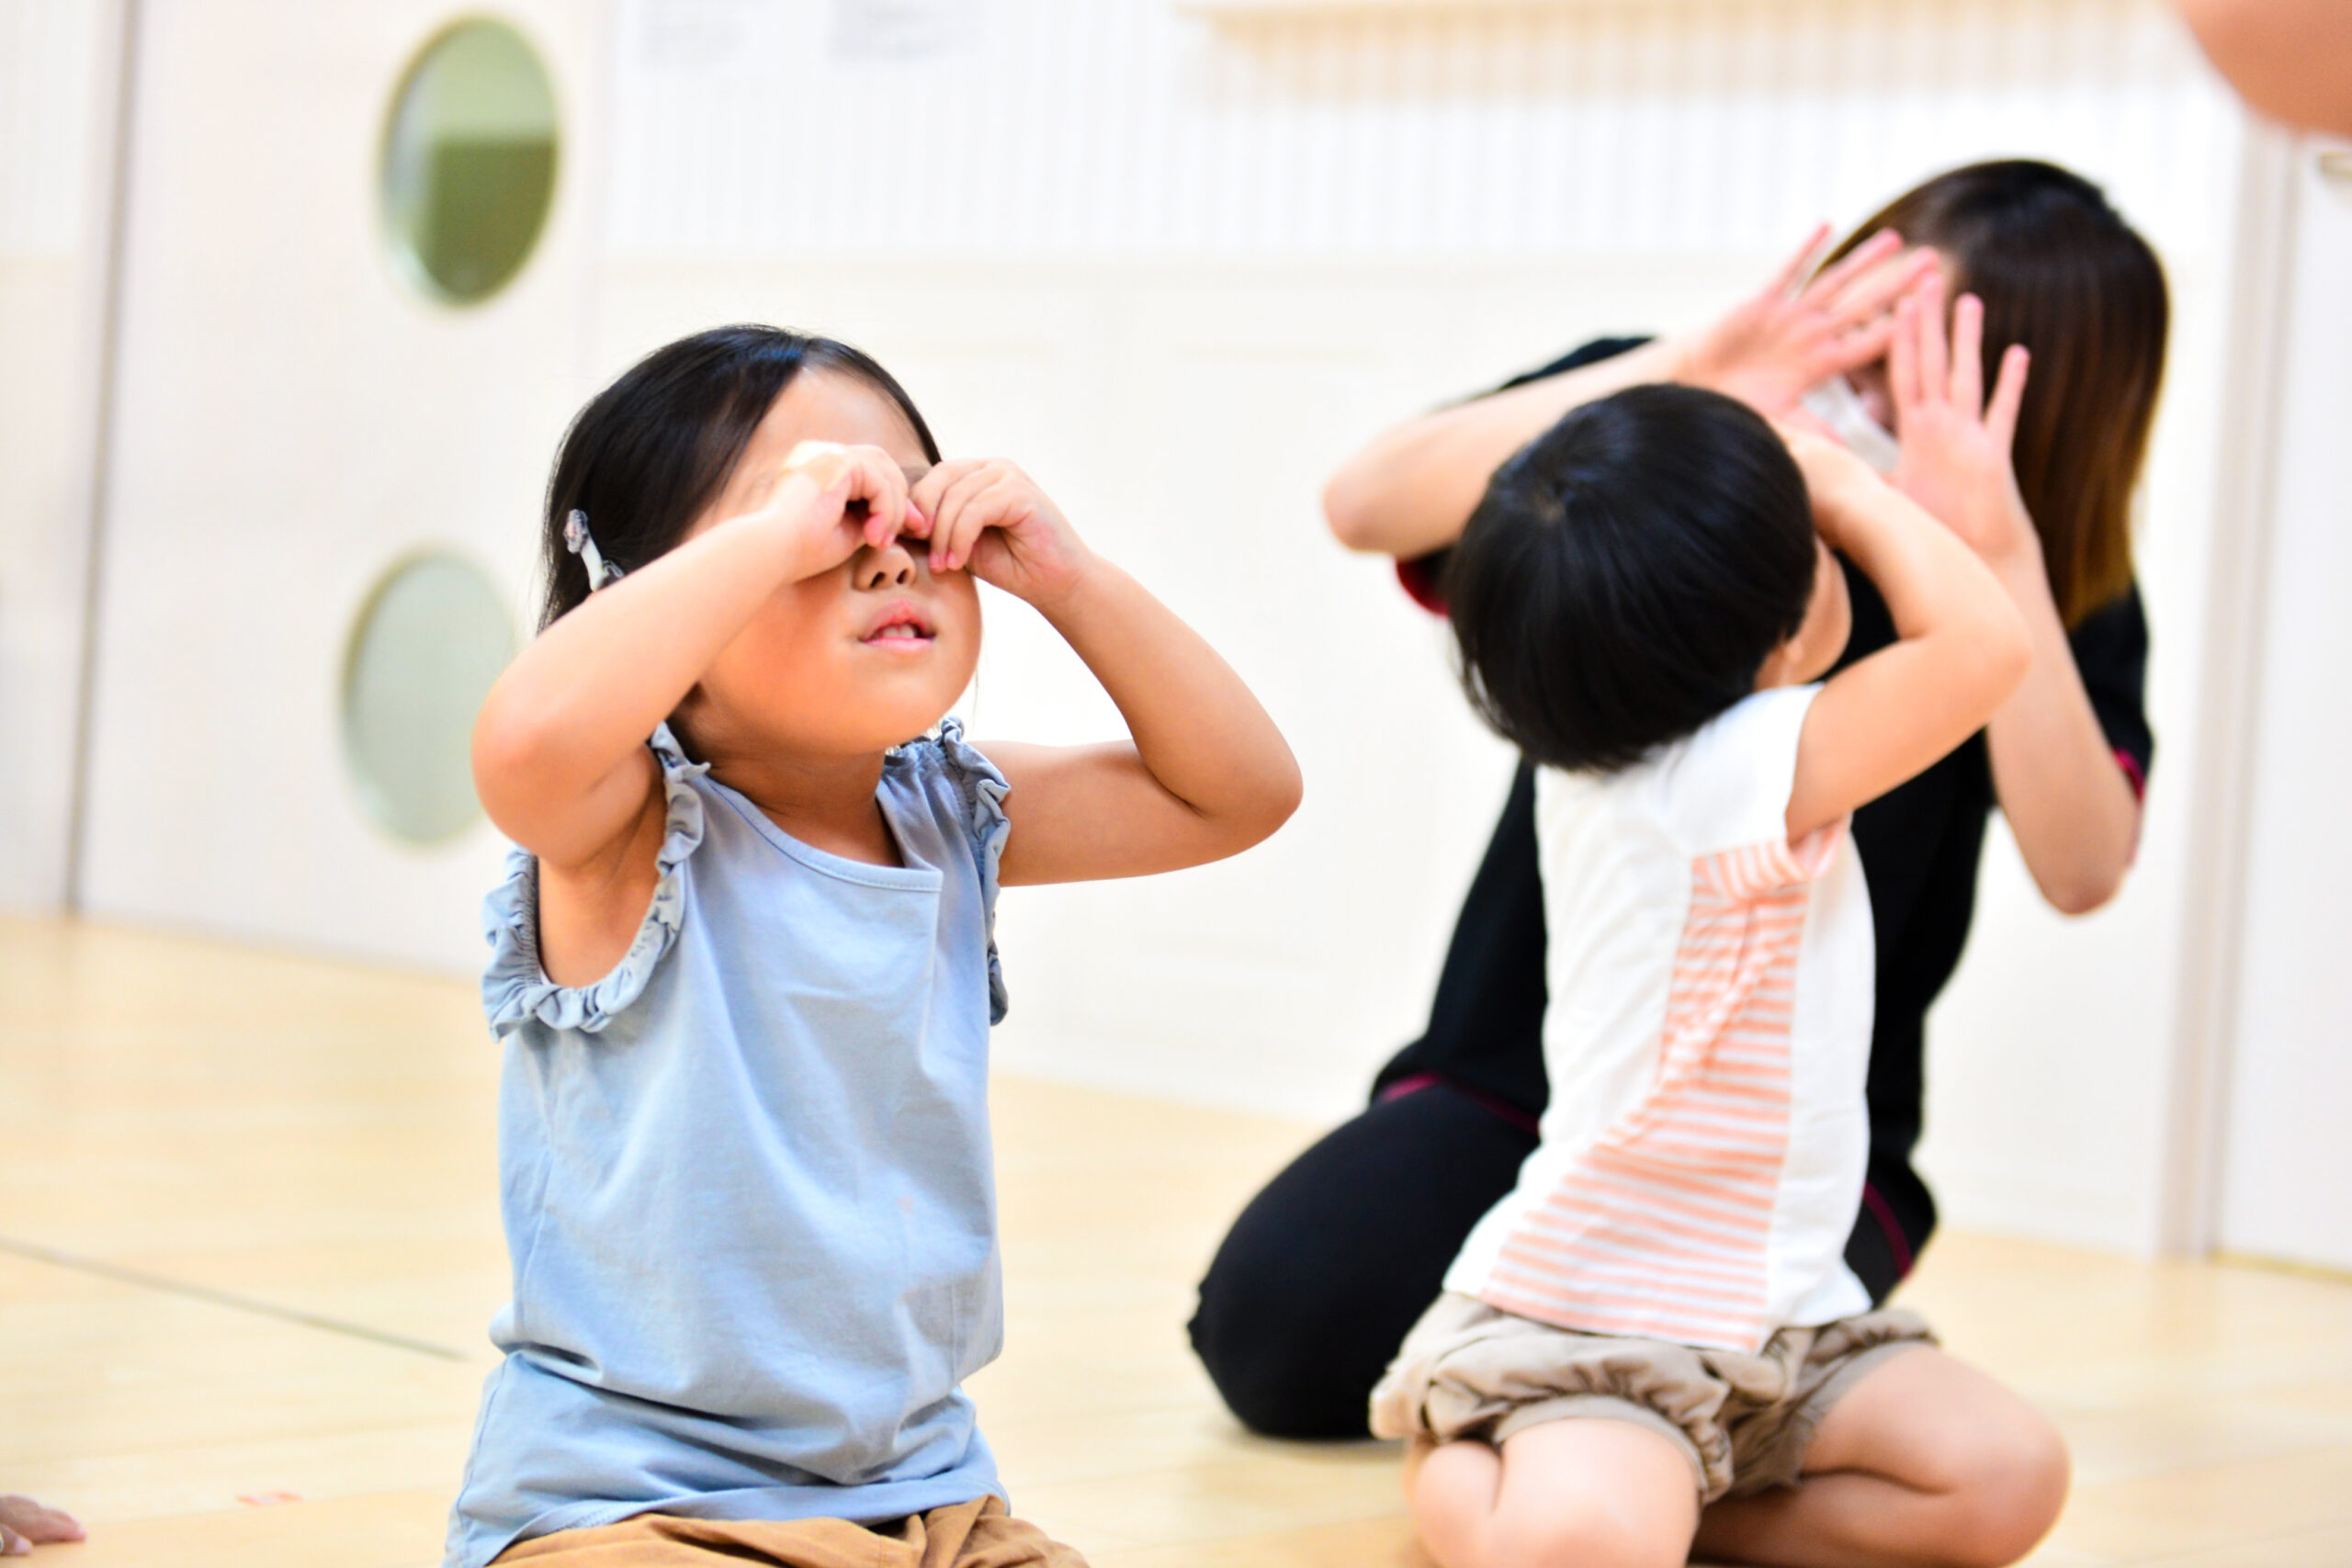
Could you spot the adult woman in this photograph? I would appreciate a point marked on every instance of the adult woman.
(1325, 1270)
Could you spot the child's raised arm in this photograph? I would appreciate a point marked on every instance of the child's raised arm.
(1962, 646)
(559, 751)
(1207, 774)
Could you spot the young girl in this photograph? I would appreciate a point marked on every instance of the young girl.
(1659, 1316)
(744, 969)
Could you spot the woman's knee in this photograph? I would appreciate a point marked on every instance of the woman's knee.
(1327, 1268)
(1263, 1335)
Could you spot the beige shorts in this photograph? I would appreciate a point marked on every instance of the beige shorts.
(969, 1535)
(1744, 1420)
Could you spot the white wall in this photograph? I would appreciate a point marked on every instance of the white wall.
(2286, 1177)
(54, 123)
(1179, 269)
(291, 420)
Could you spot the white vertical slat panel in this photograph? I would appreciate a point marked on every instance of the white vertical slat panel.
(2286, 1190)
(48, 72)
(53, 178)
(1116, 127)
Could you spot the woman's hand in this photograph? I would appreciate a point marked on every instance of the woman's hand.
(2074, 815)
(1955, 444)
(986, 516)
(1773, 347)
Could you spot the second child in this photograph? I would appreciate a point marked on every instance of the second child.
(1653, 1343)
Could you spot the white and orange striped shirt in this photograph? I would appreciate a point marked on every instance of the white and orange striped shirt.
(1707, 1041)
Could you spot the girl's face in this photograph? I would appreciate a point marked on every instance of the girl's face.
(853, 661)
(1820, 639)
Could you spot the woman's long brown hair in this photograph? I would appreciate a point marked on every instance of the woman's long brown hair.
(2061, 272)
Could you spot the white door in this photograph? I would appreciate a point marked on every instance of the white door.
(2287, 1175)
(299, 410)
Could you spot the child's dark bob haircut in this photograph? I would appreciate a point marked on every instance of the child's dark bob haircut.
(651, 450)
(1627, 572)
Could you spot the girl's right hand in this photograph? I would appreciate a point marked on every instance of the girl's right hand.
(859, 498)
(1776, 345)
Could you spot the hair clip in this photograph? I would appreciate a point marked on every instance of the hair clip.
(581, 542)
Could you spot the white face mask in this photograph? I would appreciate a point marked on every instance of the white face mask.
(1836, 404)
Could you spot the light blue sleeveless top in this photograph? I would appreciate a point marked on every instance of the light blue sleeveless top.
(746, 1176)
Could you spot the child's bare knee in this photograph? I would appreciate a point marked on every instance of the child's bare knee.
(2007, 1492)
(1593, 1533)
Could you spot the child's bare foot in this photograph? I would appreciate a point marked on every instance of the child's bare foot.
(24, 1524)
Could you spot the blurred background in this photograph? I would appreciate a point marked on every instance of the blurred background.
(295, 299)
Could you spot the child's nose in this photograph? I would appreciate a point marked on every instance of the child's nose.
(892, 566)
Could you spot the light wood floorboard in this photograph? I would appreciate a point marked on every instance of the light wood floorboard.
(249, 1244)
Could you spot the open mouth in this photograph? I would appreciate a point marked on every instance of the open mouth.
(901, 626)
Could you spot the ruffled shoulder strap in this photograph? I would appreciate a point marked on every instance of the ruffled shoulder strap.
(516, 988)
(977, 789)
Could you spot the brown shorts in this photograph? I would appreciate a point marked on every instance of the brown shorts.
(1744, 1420)
(969, 1535)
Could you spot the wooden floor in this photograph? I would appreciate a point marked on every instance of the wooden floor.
(249, 1244)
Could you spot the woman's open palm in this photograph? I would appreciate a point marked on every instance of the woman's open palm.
(1772, 348)
(1955, 441)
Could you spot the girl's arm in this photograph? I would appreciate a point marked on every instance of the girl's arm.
(1413, 489)
(1207, 774)
(2074, 815)
(1961, 646)
(559, 751)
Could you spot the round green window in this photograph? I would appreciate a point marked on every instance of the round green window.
(428, 643)
(470, 162)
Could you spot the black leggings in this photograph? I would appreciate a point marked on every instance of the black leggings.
(1326, 1270)
(1329, 1267)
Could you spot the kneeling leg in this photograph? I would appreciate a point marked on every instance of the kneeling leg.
(1924, 1463)
(1584, 1493)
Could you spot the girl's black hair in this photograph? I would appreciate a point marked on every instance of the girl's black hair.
(1626, 573)
(651, 450)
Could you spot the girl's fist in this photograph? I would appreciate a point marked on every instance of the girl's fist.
(988, 517)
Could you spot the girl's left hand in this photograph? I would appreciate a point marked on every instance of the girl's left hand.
(989, 518)
(1955, 444)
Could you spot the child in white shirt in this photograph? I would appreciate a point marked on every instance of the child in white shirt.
(1653, 1344)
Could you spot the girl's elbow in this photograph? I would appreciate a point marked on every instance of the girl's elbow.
(506, 745)
(1285, 796)
(1273, 801)
(513, 754)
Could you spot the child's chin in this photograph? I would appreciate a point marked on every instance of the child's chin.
(895, 716)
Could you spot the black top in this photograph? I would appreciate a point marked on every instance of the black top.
(1919, 846)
